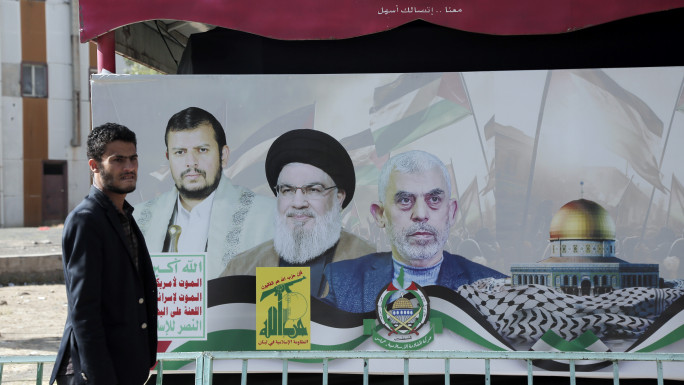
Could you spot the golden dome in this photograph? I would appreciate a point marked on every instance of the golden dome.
(582, 219)
(402, 303)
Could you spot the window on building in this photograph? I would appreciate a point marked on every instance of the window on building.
(34, 80)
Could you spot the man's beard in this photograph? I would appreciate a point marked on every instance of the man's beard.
(201, 192)
(108, 183)
(299, 245)
(419, 249)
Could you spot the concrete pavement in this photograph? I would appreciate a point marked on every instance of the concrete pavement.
(31, 255)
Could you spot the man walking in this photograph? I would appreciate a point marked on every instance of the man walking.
(110, 336)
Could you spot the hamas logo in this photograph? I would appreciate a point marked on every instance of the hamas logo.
(402, 308)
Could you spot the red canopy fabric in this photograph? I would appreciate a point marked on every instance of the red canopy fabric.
(339, 19)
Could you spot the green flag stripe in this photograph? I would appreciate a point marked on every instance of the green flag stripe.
(464, 331)
(557, 342)
(670, 338)
(587, 339)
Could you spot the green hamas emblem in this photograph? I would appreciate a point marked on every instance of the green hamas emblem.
(402, 308)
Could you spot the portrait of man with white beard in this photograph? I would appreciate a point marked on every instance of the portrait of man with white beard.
(313, 179)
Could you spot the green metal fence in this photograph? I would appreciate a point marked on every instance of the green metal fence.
(204, 361)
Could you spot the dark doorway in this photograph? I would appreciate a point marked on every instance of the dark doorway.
(586, 287)
(55, 192)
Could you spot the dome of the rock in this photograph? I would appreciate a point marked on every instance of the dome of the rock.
(582, 219)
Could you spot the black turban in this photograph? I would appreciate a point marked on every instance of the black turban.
(317, 149)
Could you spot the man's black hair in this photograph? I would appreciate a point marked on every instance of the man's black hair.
(104, 134)
(189, 119)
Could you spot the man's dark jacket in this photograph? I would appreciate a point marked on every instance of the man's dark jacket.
(111, 326)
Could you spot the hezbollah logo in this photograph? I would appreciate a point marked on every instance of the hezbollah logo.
(283, 319)
(402, 308)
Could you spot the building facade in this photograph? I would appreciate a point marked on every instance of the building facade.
(45, 111)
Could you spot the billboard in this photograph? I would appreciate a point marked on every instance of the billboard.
(559, 193)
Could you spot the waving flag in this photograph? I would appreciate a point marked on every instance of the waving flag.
(595, 106)
(415, 105)
(246, 162)
(469, 209)
(675, 211)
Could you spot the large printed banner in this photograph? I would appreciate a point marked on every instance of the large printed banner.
(559, 191)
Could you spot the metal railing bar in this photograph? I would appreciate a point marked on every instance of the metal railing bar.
(616, 373)
(160, 372)
(26, 359)
(39, 375)
(572, 372)
(659, 365)
(243, 379)
(406, 371)
(285, 362)
(447, 372)
(199, 369)
(439, 354)
(529, 372)
(488, 376)
(208, 369)
(365, 371)
(351, 354)
(325, 371)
